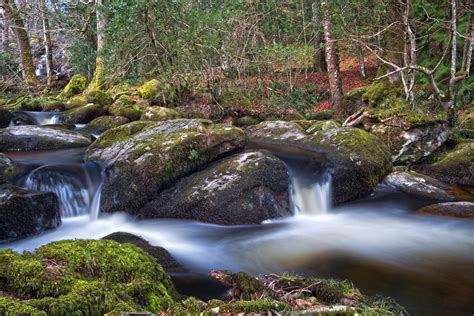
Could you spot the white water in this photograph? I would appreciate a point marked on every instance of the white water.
(310, 198)
(35, 118)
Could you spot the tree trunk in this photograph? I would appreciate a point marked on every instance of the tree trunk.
(5, 32)
(467, 53)
(452, 80)
(47, 42)
(319, 61)
(394, 39)
(334, 75)
(98, 80)
(360, 54)
(27, 64)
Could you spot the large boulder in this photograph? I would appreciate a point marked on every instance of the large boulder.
(126, 106)
(422, 186)
(412, 145)
(5, 118)
(103, 123)
(76, 85)
(82, 115)
(143, 158)
(162, 256)
(24, 213)
(245, 188)
(27, 138)
(158, 113)
(456, 166)
(451, 209)
(356, 160)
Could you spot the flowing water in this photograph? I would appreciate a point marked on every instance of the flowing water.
(425, 263)
(34, 118)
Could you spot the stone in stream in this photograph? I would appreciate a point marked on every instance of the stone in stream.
(142, 158)
(422, 186)
(103, 123)
(357, 160)
(162, 256)
(29, 138)
(24, 213)
(462, 209)
(82, 115)
(456, 166)
(246, 188)
(7, 168)
(5, 118)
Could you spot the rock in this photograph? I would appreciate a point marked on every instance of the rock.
(76, 85)
(158, 113)
(456, 166)
(27, 138)
(53, 106)
(246, 121)
(356, 160)
(415, 144)
(150, 89)
(245, 188)
(99, 97)
(103, 123)
(24, 213)
(82, 115)
(468, 121)
(76, 102)
(5, 118)
(127, 107)
(142, 158)
(7, 168)
(162, 256)
(420, 186)
(451, 209)
(323, 126)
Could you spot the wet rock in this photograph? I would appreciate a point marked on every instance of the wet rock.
(82, 115)
(451, 209)
(24, 213)
(7, 168)
(127, 107)
(162, 256)
(27, 138)
(245, 188)
(5, 118)
(276, 131)
(158, 113)
(103, 123)
(415, 144)
(421, 186)
(456, 166)
(143, 158)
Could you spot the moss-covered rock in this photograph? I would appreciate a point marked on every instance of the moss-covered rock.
(158, 113)
(82, 115)
(414, 144)
(456, 166)
(5, 118)
(142, 158)
(323, 126)
(7, 168)
(150, 90)
(27, 138)
(75, 102)
(245, 188)
(24, 213)
(103, 123)
(99, 97)
(32, 104)
(76, 85)
(162, 256)
(127, 107)
(87, 277)
(451, 209)
(276, 131)
(246, 121)
(53, 106)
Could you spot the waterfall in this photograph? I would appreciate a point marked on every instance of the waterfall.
(34, 118)
(310, 198)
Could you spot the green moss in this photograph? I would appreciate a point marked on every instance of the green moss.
(81, 115)
(127, 107)
(13, 307)
(254, 306)
(33, 104)
(53, 105)
(246, 121)
(322, 115)
(379, 91)
(98, 97)
(158, 113)
(150, 90)
(76, 85)
(76, 102)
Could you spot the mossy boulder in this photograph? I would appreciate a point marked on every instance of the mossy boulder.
(126, 106)
(451, 209)
(24, 213)
(103, 123)
(162, 256)
(7, 168)
(456, 166)
(412, 145)
(5, 118)
(245, 188)
(323, 126)
(158, 113)
(27, 138)
(87, 277)
(53, 106)
(99, 97)
(150, 90)
(82, 115)
(76, 85)
(143, 158)
(276, 131)
(75, 102)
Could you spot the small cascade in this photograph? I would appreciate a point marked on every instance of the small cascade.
(310, 198)
(34, 118)
(77, 187)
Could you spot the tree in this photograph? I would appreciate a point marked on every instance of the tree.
(19, 29)
(98, 79)
(46, 42)
(319, 60)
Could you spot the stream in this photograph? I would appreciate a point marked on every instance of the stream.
(425, 263)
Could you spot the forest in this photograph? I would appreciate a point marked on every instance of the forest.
(236, 157)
